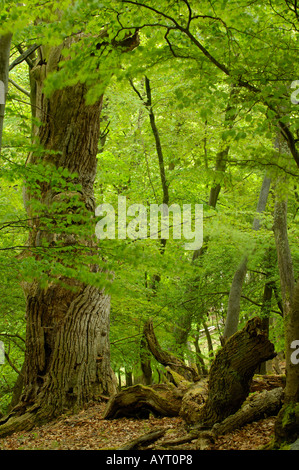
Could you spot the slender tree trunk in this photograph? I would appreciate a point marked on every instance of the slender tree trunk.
(5, 42)
(200, 364)
(145, 360)
(265, 312)
(209, 340)
(233, 310)
(284, 258)
(287, 423)
(149, 105)
(165, 357)
(220, 164)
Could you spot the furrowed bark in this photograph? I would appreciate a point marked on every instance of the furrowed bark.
(68, 329)
(67, 358)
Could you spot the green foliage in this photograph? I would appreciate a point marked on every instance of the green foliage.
(193, 66)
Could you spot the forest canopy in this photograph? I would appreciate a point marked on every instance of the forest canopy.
(171, 102)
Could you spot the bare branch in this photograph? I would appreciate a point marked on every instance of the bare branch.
(23, 56)
(18, 87)
(158, 12)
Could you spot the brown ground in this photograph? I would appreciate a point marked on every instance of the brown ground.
(89, 431)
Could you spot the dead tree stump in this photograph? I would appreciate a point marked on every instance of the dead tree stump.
(232, 371)
(201, 404)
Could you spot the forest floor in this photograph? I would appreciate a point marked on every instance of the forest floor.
(89, 431)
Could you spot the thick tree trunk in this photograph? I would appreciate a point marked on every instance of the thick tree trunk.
(68, 329)
(67, 359)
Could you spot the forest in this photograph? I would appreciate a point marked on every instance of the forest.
(149, 259)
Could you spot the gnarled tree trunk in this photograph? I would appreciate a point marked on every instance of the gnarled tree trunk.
(67, 359)
(232, 371)
(208, 401)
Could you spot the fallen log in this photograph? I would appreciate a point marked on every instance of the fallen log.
(256, 407)
(267, 382)
(164, 357)
(139, 401)
(202, 403)
(144, 440)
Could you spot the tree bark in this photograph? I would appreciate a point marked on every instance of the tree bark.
(232, 371)
(265, 315)
(256, 407)
(139, 401)
(5, 42)
(287, 423)
(233, 309)
(67, 359)
(145, 362)
(285, 265)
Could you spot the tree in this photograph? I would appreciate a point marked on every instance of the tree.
(67, 359)
(233, 310)
(286, 429)
(5, 41)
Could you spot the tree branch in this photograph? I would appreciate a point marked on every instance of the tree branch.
(23, 56)
(19, 87)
